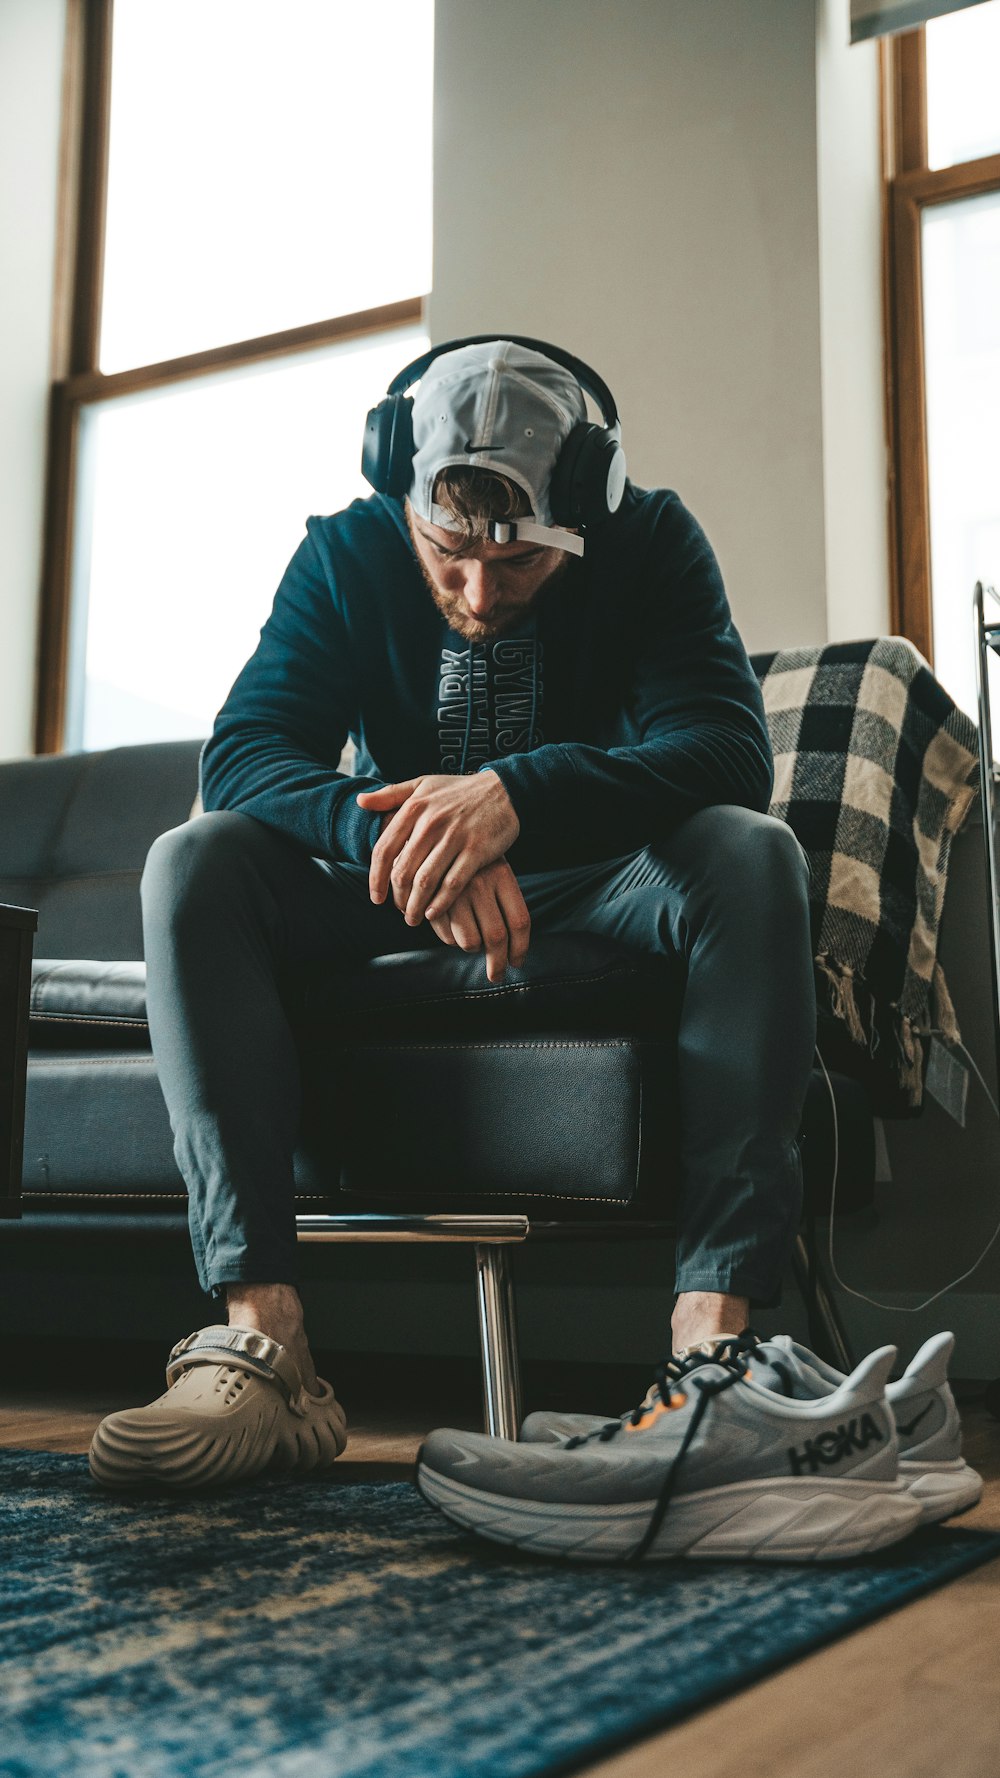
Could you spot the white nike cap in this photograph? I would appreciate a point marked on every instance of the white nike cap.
(500, 407)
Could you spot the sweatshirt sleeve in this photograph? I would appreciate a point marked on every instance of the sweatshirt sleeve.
(277, 741)
(695, 704)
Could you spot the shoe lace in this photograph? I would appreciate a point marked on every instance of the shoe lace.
(665, 1394)
(675, 1377)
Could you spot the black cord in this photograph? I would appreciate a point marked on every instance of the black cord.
(468, 708)
(812, 1268)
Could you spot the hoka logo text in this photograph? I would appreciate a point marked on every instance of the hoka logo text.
(834, 1447)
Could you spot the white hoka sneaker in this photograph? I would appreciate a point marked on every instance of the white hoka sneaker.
(927, 1425)
(714, 1462)
(931, 1464)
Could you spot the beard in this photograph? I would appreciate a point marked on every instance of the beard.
(503, 617)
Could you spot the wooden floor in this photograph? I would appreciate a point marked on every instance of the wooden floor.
(916, 1695)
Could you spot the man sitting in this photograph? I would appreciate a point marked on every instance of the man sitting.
(557, 728)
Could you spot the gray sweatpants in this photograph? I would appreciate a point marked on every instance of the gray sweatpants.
(229, 907)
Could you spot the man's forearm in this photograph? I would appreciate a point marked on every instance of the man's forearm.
(577, 804)
(268, 777)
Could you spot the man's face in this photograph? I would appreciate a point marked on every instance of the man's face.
(484, 588)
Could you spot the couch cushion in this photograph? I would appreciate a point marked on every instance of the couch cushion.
(97, 1136)
(570, 981)
(97, 1133)
(74, 832)
(587, 1122)
(88, 1003)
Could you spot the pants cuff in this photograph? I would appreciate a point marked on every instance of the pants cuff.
(267, 1272)
(761, 1293)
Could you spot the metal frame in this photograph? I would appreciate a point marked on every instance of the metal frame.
(987, 641)
(490, 1237)
(909, 187)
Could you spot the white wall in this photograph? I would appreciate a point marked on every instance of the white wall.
(637, 180)
(31, 48)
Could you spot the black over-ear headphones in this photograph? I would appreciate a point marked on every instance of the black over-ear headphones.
(588, 480)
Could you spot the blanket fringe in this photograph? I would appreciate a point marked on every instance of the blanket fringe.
(851, 1001)
(911, 1067)
(942, 1010)
(843, 995)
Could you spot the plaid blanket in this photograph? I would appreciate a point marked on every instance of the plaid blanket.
(875, 770)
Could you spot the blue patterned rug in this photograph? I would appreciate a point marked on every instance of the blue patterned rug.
(331, 1630)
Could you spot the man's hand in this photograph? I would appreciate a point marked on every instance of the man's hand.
(444, 830)
(491, 912)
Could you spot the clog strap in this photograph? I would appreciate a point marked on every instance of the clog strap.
(245, 1349)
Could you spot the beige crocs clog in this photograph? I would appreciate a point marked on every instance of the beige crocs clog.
(234, 1407)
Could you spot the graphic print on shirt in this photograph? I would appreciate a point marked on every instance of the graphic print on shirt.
(506, 678)
(517, 682)
(454, 716)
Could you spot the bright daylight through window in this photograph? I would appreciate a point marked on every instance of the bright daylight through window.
(248, 193)
(961, 296)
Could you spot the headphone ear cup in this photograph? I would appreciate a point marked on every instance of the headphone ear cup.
(564, 488)
(589, 477)
(387, 451)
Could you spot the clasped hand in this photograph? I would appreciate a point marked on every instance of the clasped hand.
(441, 854)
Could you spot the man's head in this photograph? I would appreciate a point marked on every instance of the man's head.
(489, 422)
(502, 471)
(496, 406)
(481, 587)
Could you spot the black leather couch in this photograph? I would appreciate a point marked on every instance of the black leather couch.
(542, 1098)
(547, 1074)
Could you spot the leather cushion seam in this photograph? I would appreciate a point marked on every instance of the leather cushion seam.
(599, 1043)
(85, 1018)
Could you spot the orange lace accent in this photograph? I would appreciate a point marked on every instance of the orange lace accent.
(653, 1414)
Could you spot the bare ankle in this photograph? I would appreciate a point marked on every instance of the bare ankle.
(707, 1315)
(275, 1310)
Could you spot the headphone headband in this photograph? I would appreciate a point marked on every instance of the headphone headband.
(588, 379)
(587, 480)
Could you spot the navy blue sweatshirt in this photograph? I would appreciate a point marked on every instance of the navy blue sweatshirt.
(623, 703)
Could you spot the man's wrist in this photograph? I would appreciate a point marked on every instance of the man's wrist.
(490, 771)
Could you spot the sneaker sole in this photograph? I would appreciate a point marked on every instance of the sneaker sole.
(941, 1489)
(775, 1520)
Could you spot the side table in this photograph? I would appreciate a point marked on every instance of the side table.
(17, 931)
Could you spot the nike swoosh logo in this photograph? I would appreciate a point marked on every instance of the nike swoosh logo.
(472, 448)
(908, 1428)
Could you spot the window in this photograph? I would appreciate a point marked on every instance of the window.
(248, 257)
(943, 148)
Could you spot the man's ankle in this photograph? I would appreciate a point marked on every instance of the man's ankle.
(275, 1310)
(707, 1315)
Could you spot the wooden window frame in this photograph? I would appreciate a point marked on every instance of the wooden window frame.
(77, 380)
(909, 186)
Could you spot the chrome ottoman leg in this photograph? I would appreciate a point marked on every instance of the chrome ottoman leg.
(498, 1339)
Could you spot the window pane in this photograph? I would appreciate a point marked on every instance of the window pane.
(961, 258)
(270, 166)
(963, 85)
(192, 502)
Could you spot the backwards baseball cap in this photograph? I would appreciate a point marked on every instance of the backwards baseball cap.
(501, 407)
